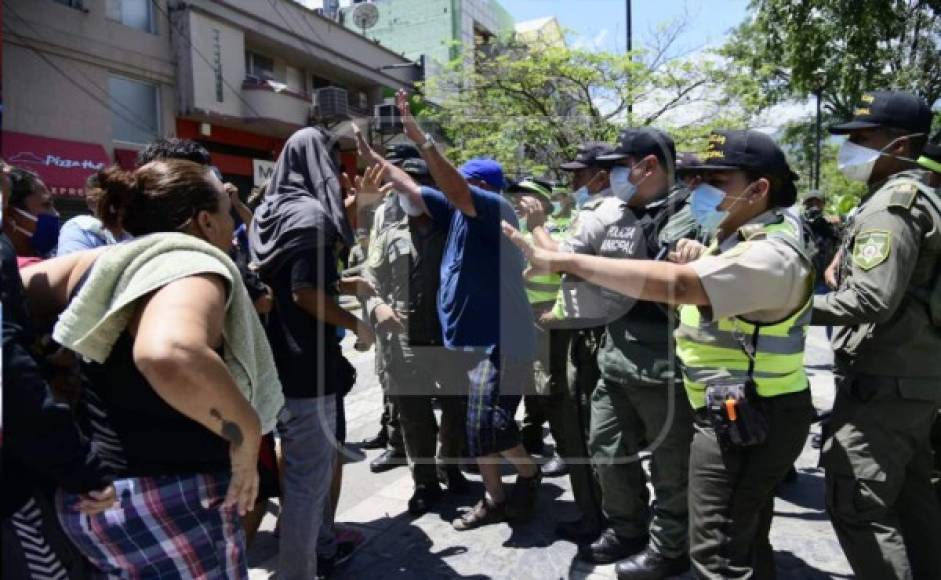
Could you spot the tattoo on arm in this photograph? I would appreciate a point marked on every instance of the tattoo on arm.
(231, 432)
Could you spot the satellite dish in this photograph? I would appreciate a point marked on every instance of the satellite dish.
(365, 15)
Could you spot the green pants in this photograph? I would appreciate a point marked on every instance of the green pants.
(563, 403)
(411, 387)
(731, 491)
(625, 420)
(878, 459)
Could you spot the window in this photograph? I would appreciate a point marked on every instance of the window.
(77, 4)
(259, 66)
(137, 14)
(135, 110)
(317, 82)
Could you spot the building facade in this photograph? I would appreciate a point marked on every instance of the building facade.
(90, 82)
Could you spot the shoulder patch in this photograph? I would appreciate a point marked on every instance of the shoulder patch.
(903, 196)
(871, 248)
(593, 204)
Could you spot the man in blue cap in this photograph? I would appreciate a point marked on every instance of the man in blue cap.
(487, 325)
(486, 174)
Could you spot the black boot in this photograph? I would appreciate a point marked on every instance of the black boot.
(424, 497)
(390, 459)
(451, 477)
(651, 565)
(378, 442)
(609, 548)
(578, 531)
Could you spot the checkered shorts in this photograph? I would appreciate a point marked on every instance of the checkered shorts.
(162, 527)
(495, 385)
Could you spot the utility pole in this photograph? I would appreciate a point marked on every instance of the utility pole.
(630, 46)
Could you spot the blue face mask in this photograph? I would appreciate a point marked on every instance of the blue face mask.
(45, 236)
(704, 203)
(581, 196)
(621, 182)
(556, 207)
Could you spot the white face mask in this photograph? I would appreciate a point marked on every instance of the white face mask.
(856, 162)
(621, 183)
(410, 208)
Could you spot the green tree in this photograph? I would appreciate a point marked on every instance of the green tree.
(529, 107)
(837, 49)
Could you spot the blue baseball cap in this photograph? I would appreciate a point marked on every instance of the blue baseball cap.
(486, 170)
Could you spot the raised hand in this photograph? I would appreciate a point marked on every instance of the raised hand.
(540, 260)
(364, 150)
(412, 130)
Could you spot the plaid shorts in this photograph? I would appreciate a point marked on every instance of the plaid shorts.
(162, 527)
(495, 387)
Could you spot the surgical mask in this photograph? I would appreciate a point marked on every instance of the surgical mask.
(704, 204)
(45, 236)
(581, 196)
(856, 162)
(522, 223)
(621, 183)
(556, 207)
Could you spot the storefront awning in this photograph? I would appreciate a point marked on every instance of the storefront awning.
(63, 165)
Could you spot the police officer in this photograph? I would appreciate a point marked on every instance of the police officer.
(741, 343)
(638, 403)
(878, 456)
(403, 264)
(526, 196)
(931, 160)
(590, 184)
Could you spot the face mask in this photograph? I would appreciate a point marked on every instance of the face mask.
(522, 223)
(856, 162)
(621, 183)
(556, 207)
(581, 196)
(704, 203)
(46, 235)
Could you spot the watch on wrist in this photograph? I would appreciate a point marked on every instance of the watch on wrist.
(429, 143)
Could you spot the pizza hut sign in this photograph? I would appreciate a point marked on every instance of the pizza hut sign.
(62, 164)
(50, 160)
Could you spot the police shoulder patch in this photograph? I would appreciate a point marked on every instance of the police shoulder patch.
(871, 248)
(902, 194)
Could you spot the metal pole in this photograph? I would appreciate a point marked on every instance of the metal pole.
(817, 148)
(630, 46)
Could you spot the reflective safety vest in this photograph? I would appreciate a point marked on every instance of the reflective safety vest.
(545, 287)
(723, 349)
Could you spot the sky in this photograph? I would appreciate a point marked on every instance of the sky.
(600, 24)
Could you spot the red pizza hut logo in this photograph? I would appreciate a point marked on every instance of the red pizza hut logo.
(55, 161)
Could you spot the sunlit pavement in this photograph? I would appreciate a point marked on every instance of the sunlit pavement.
(399, 546)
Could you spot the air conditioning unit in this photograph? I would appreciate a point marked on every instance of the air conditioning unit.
(331, 103)
(388, 121)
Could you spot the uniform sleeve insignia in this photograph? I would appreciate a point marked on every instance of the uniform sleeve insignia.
(871, 248)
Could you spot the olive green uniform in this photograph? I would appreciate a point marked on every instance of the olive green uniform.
(638, 403)
(877, 455)
(403, 264)
(753, 282)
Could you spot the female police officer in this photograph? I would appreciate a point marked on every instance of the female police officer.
(744, 307)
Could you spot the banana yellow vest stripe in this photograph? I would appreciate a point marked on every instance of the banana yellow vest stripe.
(712, 350)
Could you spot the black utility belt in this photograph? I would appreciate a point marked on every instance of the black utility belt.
(736, 412)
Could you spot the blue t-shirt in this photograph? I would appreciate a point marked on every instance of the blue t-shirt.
(85, 232)
(482, 297)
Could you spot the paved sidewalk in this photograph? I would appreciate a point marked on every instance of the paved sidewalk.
(399, 546)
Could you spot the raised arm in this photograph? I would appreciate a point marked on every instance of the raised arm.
(447, 178)
(180, 362)
(641, 279)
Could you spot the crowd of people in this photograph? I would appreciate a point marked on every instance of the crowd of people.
(174, 360)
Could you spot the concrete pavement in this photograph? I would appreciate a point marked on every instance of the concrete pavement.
(399, 546)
